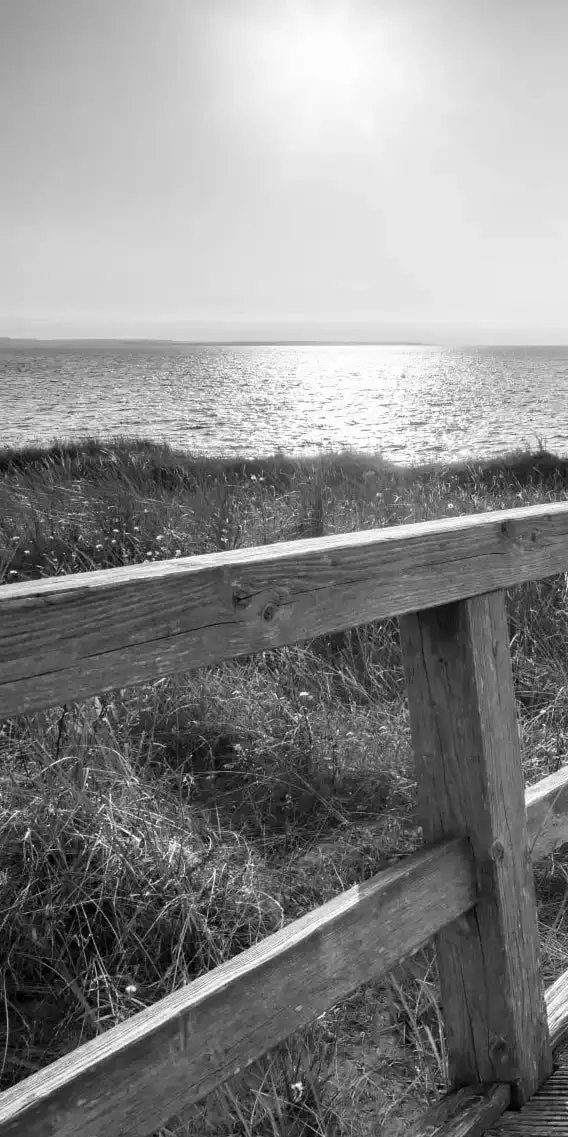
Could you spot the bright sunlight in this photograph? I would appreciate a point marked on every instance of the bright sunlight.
(328, 65)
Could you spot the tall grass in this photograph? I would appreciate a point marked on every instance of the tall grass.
(152, 833)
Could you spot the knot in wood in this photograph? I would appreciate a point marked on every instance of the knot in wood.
(499, 1051)
(239, 596)
(269, 610)
(497, 850)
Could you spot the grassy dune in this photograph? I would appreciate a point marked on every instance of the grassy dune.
(148, 835)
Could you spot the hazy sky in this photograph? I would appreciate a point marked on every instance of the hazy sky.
(265, 168)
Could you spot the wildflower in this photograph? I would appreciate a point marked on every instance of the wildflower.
(160, 537)
(13, 572)
(131, 989)
(27, 552)
(136, 528)
(99, 546)
(178, 553)
(113, 542)
(116, 530)
(305, 695)
(253, 477)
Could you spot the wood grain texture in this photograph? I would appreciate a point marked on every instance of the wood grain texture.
(546, 1115)
(547, 814)
(557, 1010)
(470, 1111)
(465, 1113)
(65, 638)
(466, 740)
(132, 1079)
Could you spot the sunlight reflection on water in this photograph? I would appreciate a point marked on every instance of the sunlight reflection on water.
(408, 403)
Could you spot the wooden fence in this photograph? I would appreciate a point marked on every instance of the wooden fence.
(471, 887)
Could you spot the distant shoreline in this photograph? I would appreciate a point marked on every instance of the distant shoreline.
(9, 344)
(6, 341)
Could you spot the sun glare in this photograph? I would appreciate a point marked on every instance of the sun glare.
(325, 67)
(323, 60)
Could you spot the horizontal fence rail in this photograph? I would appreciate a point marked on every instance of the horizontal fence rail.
(557, 1010)
(546, 804)
(138, 1074)
(135, 1076)
(64, 638)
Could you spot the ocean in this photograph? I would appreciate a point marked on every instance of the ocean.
(409, 403)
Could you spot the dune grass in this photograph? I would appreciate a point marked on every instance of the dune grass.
(152, 833)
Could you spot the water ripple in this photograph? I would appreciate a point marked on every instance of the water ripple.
(409, 403)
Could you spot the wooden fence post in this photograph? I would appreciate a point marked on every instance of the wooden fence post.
(466, 741)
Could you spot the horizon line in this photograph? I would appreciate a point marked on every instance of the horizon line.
(24, 341)
(200, 342)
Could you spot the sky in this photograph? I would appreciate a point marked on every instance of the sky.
(274, 169)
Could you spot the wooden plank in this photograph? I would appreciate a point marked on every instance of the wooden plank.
(557, 1009)
(65, 638)
(133, 1078)
(465, 1113)
(470, 1111)
(547, 814)
(546, 805)
(545, 1115)
(465, 735)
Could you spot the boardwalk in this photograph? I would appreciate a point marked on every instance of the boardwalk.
(545, 1115)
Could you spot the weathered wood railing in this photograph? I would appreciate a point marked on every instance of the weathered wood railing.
(471, 887)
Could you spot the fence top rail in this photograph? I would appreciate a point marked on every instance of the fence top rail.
(63, 638)
(447, 532)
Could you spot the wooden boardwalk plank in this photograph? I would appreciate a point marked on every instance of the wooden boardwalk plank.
(469, 1111)
(546, 1115)
(68, 637)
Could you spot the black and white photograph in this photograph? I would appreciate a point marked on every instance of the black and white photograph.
(283, 568)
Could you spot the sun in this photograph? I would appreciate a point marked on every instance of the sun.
(324, 58)
(321, 65)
